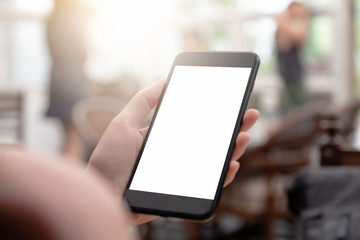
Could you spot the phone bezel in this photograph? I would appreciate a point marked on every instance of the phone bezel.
(188, 207)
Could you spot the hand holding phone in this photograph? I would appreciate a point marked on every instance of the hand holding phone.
(116, 152)
(180, 170)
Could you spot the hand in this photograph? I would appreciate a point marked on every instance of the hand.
(242, 140)
(116, 152)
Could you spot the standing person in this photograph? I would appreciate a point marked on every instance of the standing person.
(66, 39)
(291, 35)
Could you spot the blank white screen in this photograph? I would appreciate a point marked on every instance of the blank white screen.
(186, 150)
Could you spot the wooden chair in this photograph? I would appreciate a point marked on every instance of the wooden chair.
(323, 198)
(336, 148)
(287, 150)
(347, 115)
(11, 117)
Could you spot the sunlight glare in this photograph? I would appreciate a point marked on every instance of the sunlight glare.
(123, 33)
(35, 6)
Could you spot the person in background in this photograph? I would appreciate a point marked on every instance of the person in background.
(291, 35)
(67, 45)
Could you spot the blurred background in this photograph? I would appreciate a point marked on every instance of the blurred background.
(120, 47)
(134, 42)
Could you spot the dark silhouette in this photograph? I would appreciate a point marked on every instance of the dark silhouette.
(66, 39)
(291, 34)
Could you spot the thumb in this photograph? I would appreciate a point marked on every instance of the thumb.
(141, 104)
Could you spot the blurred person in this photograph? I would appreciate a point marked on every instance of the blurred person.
(291, 35)
(70, 203)
(68, 84)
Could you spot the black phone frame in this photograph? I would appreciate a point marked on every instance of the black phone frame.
(188, 207)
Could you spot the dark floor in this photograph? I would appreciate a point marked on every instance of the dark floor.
(226, 228)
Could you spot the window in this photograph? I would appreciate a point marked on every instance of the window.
(23, 58)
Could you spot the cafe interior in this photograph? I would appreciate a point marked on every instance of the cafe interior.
(299, 176)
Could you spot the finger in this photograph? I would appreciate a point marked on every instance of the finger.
(141, 104)
(144, 131)
(250, 117)
(233, 169)
(242, 141)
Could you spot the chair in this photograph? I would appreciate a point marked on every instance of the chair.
(347, 114)
(11, 117)
(286, 150)
(336, 148)
(326, 202)
(342, 119)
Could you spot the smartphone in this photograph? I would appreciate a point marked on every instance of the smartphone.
(182, 164)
